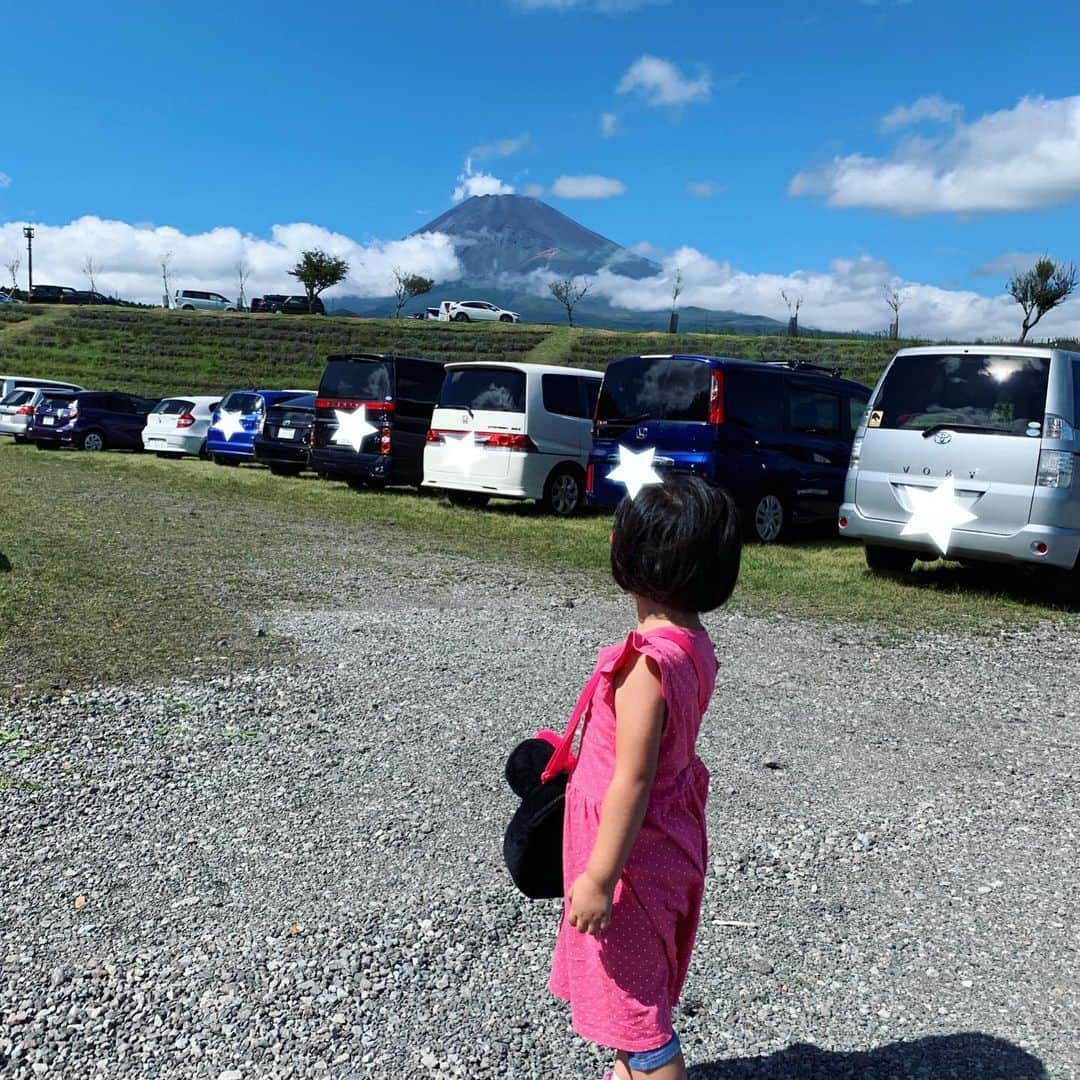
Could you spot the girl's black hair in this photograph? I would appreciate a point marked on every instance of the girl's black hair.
(678, 543)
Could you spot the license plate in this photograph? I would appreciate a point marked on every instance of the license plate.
(286, 433)
(48, 421)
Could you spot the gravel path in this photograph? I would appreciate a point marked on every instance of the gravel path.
(296, 872)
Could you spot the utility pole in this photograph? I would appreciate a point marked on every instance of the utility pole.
(28, 232)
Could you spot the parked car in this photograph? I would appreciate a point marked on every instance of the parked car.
(431, 313)
(52, 294)
(372, 416)
(283, 442)
(178, 425)
(17, 410)
(1002, 422)
(298, 305)
(89, 296)
(12, 382)
(90, 420)
(231, 436)
(197, 300)
(7, 298)
(777, 435)
(532, 431)
(267, 302)
(480, 311)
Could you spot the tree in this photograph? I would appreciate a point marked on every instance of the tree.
(793, 305)
(89, 269)
(166, 262)
(12, 267)
(318, 271)
(894, 297)
(243, 272)
(568, 292)
(676, 290)
(407, 286)
(1041, 289)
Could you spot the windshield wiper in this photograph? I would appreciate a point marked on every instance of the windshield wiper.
(927, 432)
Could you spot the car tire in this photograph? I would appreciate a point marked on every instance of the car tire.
(188, 307)
(506, 318)
(470, 500)
(203, 452)
(93, 440)
(285, 470)
(888, 560)
(767, 520)
(460, 316)
(224, 459)
(21, 439)
(564, 492)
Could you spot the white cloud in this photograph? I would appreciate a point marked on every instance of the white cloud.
(600, 7)
(5, 180)
(534, 191)
(934, 108)
(587, 187)
(847, 296)
(703, 189)
(662, 83)
(609, 124)
(471, 183)
(1016, 159)
(1009, 263)
(502, 147)
(129, 257)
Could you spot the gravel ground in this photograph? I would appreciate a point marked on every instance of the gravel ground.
(296, 871)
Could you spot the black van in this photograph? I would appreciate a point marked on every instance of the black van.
(372, 416)
(777, 435)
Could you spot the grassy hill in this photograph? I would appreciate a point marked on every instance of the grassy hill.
(165, 352)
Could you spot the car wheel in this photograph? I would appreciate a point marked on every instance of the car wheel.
(460, 316)
(473, 500)
(564, 491)
(20, 439)
(203, 452)
(888, 560)
(768, 518)
(506, 318)
(188, 307)
(285, 470)
(93, 440)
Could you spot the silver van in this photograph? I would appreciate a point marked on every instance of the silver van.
(200, 300)
(969, 452)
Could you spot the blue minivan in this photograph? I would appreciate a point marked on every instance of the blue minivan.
(237, 420)
(776, 435)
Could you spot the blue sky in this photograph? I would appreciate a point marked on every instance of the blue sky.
(361, 122)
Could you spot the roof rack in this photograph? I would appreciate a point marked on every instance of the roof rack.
(804, 365)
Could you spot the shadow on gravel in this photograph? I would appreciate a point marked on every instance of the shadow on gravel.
(966, 1056)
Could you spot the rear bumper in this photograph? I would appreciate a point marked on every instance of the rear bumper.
(1063, 545)
(230, 449)
(14, 425)
(172, 443)
(40, 433)
(275, 452)
(525, 477)
(351, 466)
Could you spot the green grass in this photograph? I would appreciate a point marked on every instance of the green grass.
(157, 352)
(128, 568)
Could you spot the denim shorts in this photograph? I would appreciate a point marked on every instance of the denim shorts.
(653, 1059)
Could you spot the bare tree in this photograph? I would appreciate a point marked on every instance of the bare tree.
(676, 290)
(568, 292)
(243, 272)
(793, 304)
(406, 286)
(12, 267)
(89, 269)
(1041, 289)
(894, 297)
(166, 265)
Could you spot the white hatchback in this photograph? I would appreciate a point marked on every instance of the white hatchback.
(178, 425)
(480, 311)
(518, 431)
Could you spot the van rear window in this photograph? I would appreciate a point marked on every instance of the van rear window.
(998, 395)
(360, 379)
(242, 403)
(491, 389)
(654, 388)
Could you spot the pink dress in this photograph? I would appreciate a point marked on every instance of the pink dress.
(623, 983)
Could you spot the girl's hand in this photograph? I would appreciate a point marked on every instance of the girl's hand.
(590, 906)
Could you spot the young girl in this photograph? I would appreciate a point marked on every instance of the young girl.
(634, 849)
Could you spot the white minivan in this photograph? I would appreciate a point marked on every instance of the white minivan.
(970, 452)
(517, 431)
(200, 300)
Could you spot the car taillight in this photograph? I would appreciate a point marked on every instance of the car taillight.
(185, 419)
(1056, 427)
(25, 410)
(716, 397)
(352, 404)
(384, 441)
(434, 436)
(1055, 469)
(590, 479)
(506, 440)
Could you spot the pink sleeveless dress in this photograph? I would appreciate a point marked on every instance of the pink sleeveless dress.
(623, 983)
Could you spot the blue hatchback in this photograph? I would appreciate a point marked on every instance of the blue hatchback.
(776, 435)
(237, 420)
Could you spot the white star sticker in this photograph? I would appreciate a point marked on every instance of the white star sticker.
(635, 470)
(353, 427)
(230, 423)
(462, 451)
(936, 513)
